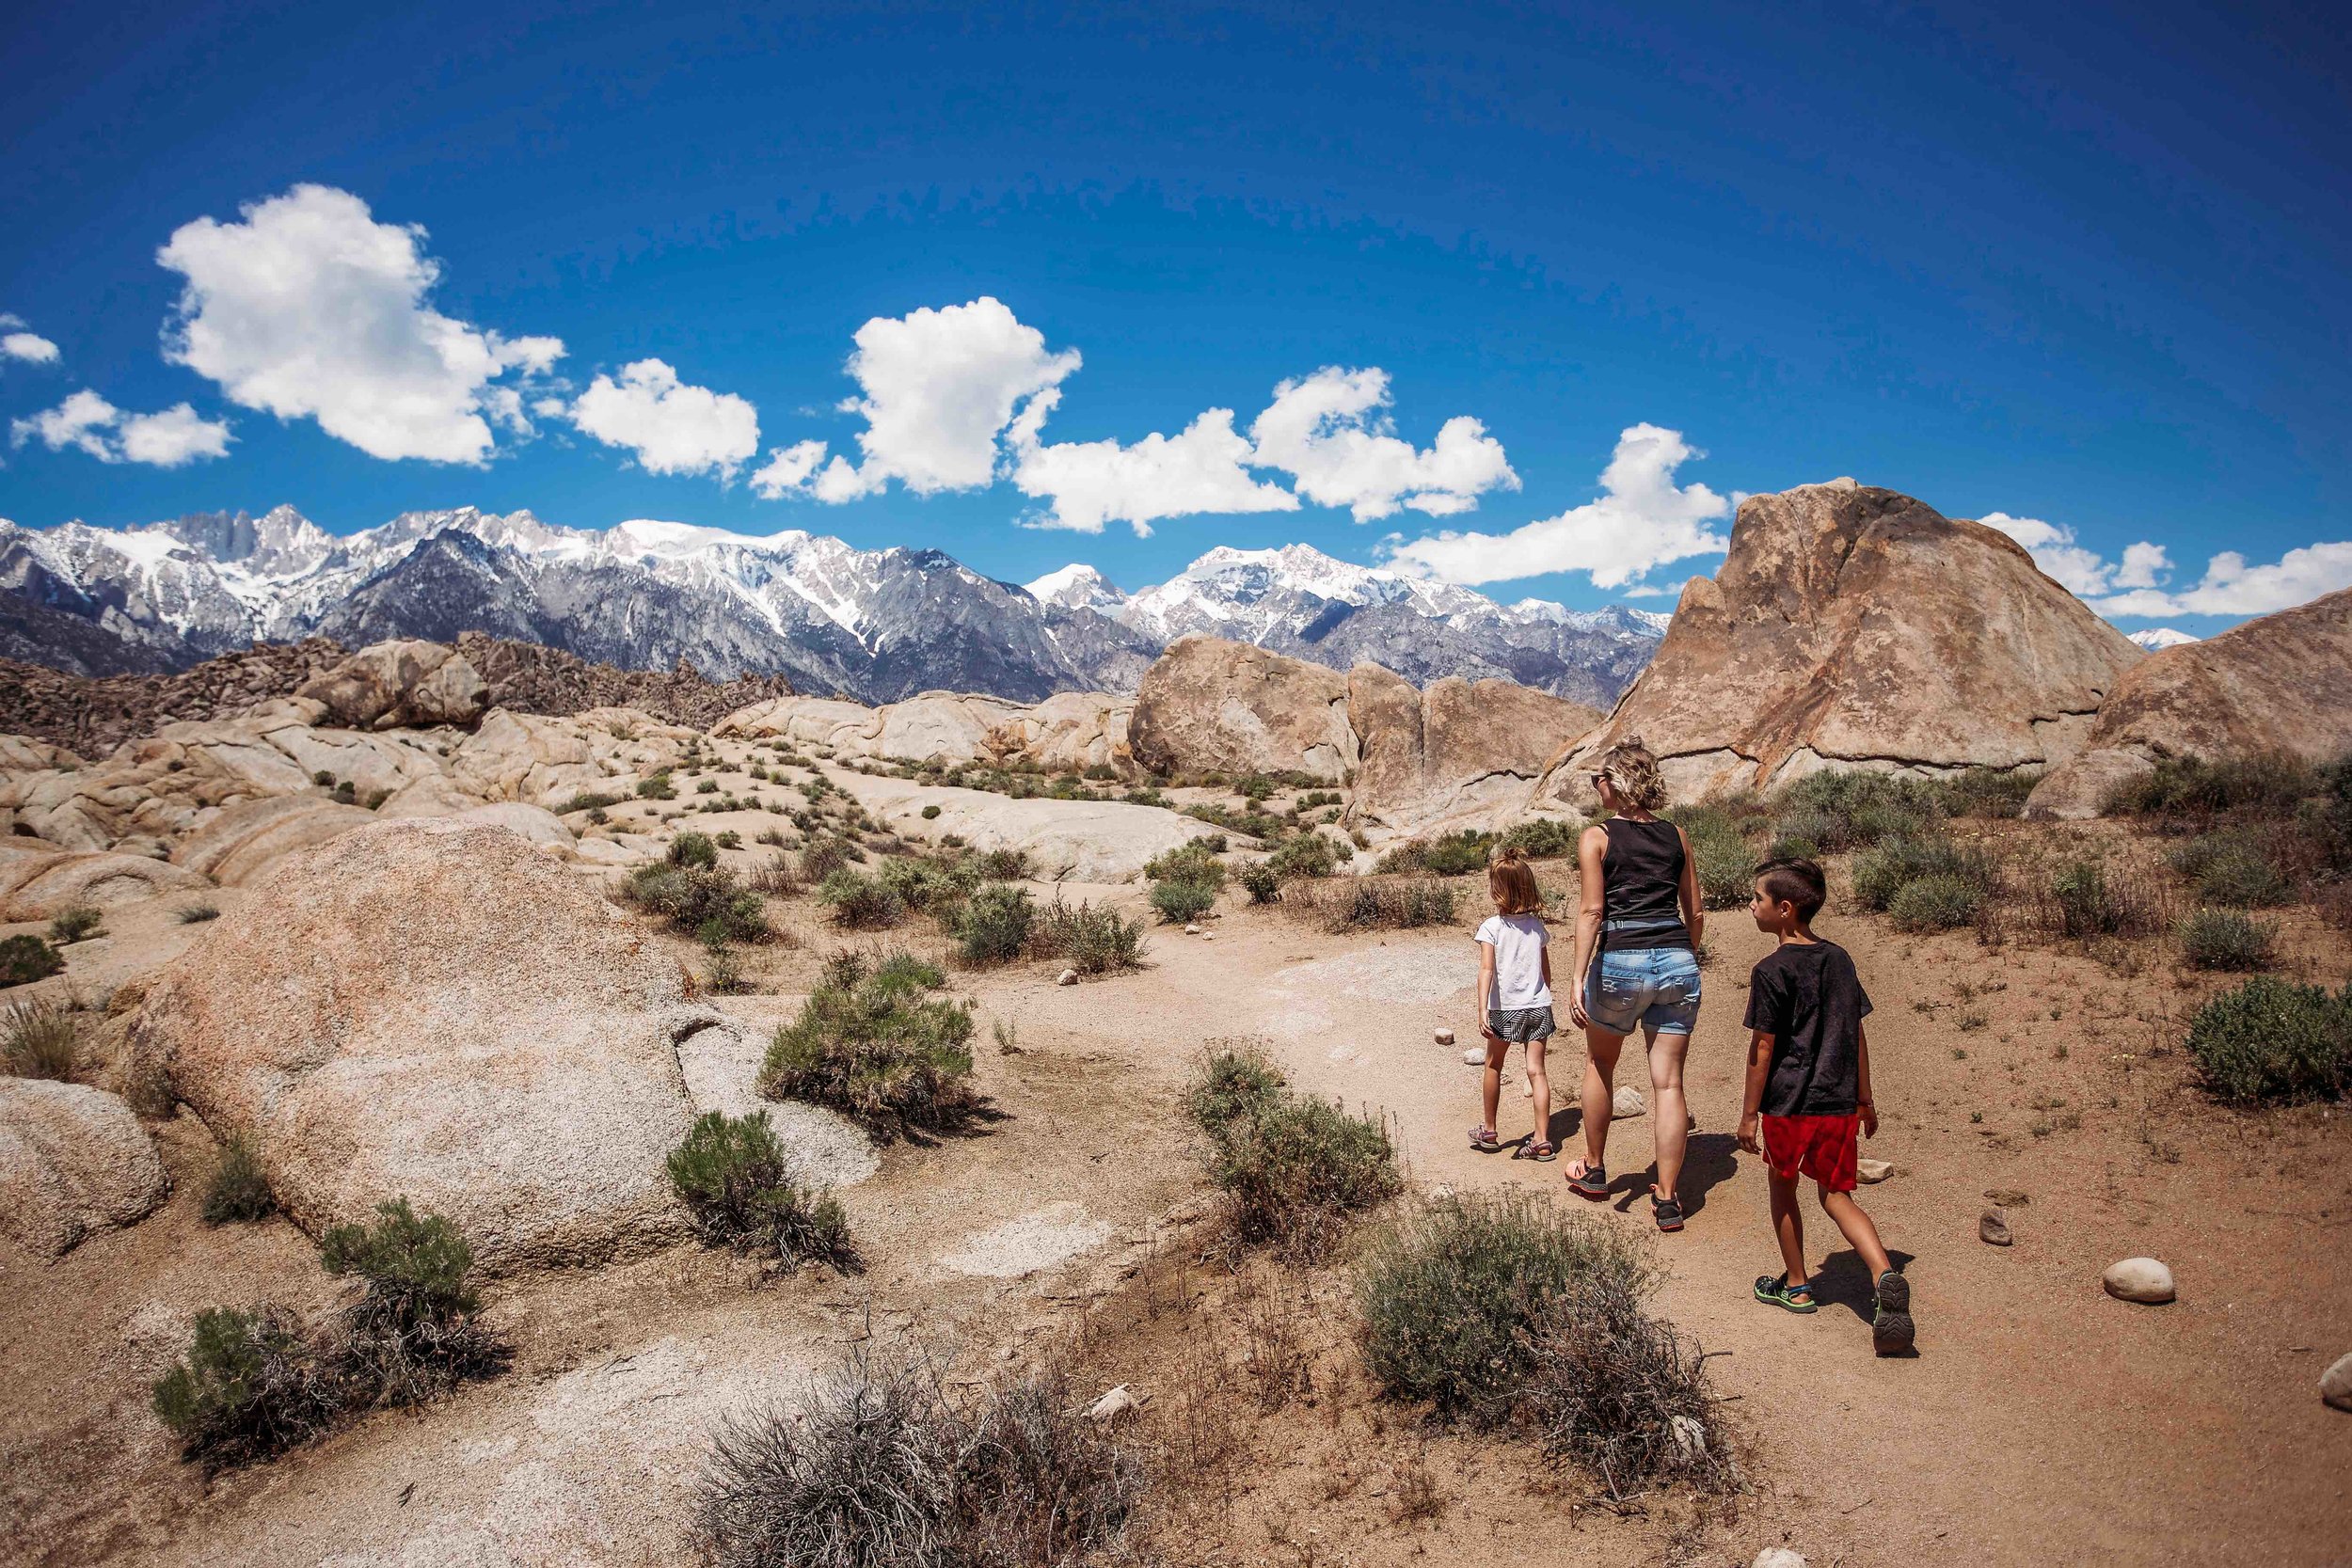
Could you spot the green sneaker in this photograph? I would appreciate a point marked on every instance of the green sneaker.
(1773, 1290)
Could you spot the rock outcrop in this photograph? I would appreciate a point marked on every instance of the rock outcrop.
(39, 885)
(394, 686)
(435, 1009)
(1851, 626)
(1069, 732)
(1460, 753)
(74, 1162)
(2282, 683)
(1211, 706)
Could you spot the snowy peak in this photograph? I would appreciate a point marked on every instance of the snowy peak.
(1076, 587)
(2157, 638)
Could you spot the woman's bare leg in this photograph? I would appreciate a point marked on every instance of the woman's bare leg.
(1600, 1068)
(1668, 1106)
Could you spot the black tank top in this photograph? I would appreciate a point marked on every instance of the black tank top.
(1641, 886)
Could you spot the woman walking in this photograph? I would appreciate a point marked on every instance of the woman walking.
(1637, 935)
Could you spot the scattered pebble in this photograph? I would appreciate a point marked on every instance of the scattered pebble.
(2143, 1279)
(2007, 1198)
(1067, 977)
(1992, 1229)
(1475, 1057)
(1444, 1036)
(1627, 1102)
(1192, 930)
(1873, 1170)
(2335, 1384)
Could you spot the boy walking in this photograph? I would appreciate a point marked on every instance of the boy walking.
(1809, 1083)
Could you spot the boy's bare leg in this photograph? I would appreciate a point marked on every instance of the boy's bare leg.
(1668, 1106)
(1600, 1068)
(1789, 1227)
(1539, 1080)
(1859, 1231)
(1492, 1090)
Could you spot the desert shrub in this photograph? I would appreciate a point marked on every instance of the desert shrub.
(1456, 854)
(994, 926)
(656, 788)
(862, 903)
(1987, 792)
(36, 1040)
(251, 1386)
(1719, 851)
(2230, 868)
(777, 875)
(729, 839)
(1854, 808)
(1003, 865)
(1802, 834)
(746, 1194)
(1262, 883)
(2227, 940)
(878, 1468)
(1255, 786)
(1178, 902)
(2081, 899)
(1542, 837)
(1292, 1168)
(589, 799)
(1093, 939)
(196, 914)
(1374, 903)
(931, 814)
(1937, 902)
(820, 857)
(707, 787)
(1620, 1392)
(1406, 860)
(1883, 871)
(1450, 1297)
(2259, 784)
(1191, 862)
(1310, 854)
(2269, 1039)
(691, 897)
(238, 1192)
(73, 925)
(412, 1334)
(872, 1041)
(694, 849)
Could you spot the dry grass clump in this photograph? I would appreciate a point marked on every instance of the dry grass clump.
(747, 1194)
(1371, 903)
(2192, 789)
(38, 1041)
(2084, 898)
(1092, 939)
(238, 1193)
(1293, 1170)
(2227, 940)
(882, 1467)
(873, 1042)
(75, 924)
(25, 959)
(695, 898)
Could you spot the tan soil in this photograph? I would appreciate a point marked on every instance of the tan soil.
(2041, 1422)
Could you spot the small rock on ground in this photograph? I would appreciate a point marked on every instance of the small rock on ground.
(1778, 1557)
(2143, 1279)
(1444, 1036)
(1475, 1057)
(2007, 1198)
(1627, 1102)
(1067, 977)
(1873, 1170)
(1113, 1405)
(1992, 1229)
(2335, 1384)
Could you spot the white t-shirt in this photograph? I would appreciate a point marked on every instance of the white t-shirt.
(1519, 943)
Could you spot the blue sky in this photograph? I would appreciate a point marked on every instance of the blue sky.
(2080, 267)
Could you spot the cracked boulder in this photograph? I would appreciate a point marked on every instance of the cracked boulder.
(433, 1008)
(1210, 705)
(400, 685)
(1851, 626)
(1461, 753)
(2282, 683)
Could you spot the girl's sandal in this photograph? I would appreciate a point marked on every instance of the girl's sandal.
(1775, 1291)
(1532, 1150)
(1483, 1140)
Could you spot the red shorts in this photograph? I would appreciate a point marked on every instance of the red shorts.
(1822, 1147)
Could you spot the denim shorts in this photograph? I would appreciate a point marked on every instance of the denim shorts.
(1653, 988)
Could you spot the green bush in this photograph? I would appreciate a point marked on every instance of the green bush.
(2259, 785)
(656, 788)
(729, 839)
(746, 1194)
(691, 897)
(862, 903)
(1721, 853)
(1310, 854)
(1373, 903)
(1290, 1168)
(931, 814)
(2084, 901)
(872, 1041)
(1543, 838)
(1178, 902)
(251, 1386)
(1456, 854)
(1883, 871)
(1987, 792)
(1190, 862)
(412, 1334)
(36, 1040)
(2227, 940)
(694, 849)
(2268, 1039)
(1262, 883)
(1451, 1297)
(238, 1192)
(73, 925)
(2230, 868)
(1937, 902)
(588, 800)
(993, 925)
(1854, 808)
(707, 787)
(820, 857)
(1093, 939)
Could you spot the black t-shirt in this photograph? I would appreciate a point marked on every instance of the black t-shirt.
(1808, 998)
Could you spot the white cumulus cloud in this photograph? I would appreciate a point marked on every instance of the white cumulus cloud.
(310, 309)
(2076, 567)
(176, 436)
(2231, 587)
(1642, 519)
(787, 468)
(938, 388)
(1093, 483)
(671, 427)
(1332, 432)
(18, 343)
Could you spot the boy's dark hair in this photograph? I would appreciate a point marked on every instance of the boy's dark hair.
(1798, 882)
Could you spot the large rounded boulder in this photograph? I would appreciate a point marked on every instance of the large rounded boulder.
(1210, 705)
(435, 1009)
(74, 1162)
(1461, 753)
(2282, 683)
(398, 684)
(1851, 626)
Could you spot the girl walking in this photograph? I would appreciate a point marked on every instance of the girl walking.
(1637, 935)
(1515, 998)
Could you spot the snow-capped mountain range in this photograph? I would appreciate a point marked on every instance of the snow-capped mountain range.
(874, 624)
(2157, 639)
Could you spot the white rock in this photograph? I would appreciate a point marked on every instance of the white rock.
(1067, 977)
(1778, 1557)
(2143, 1279)
(1445, 1037)
(1115, 1405)
(1689, 1435)
(1873, 1170)
(2335, 1384)
(1627, 1101)
(1192, 930)
(1475, 1057)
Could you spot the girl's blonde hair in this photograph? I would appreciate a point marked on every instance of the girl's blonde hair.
(1633, 773)
(1512, 882)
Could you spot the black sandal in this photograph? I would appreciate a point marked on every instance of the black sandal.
(1667, 1212)
(1592, 1184)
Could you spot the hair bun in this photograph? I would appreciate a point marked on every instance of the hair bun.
(1511, 854)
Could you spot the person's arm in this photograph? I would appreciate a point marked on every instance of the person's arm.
(1870, 1111)
(1543, 954)
(1694, 911)
(1486, 986)
(1752, 1098)
(1593, 899)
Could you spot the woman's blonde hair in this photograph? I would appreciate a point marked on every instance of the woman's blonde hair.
(1512, 882)
(1633, 773)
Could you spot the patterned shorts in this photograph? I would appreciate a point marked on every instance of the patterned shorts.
(1521, 1024)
